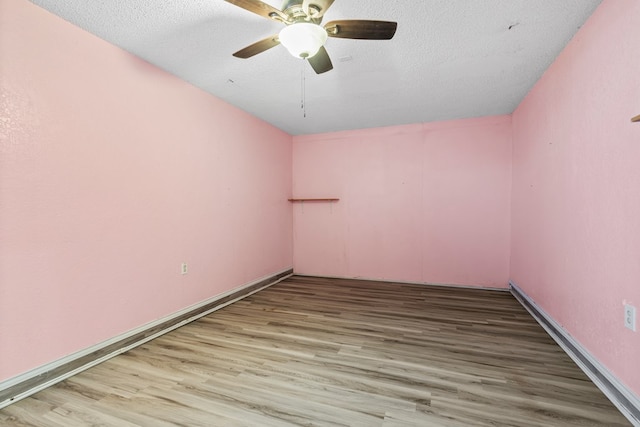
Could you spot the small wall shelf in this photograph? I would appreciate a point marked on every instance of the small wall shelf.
(313, 200)
(636, 118)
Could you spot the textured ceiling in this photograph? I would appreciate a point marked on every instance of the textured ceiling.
(449, 59)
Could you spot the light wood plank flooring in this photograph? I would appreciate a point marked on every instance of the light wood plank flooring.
(326, 352)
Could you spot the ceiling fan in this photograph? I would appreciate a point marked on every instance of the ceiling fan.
(303, 36)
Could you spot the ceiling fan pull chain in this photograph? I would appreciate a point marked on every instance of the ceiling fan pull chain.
(303, 90)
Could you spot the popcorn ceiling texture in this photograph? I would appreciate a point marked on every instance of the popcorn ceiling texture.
(448, 60)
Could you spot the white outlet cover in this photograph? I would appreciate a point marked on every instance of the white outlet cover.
(630, 317)
(183, 268)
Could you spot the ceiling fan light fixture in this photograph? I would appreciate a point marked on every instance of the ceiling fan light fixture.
(303, 39)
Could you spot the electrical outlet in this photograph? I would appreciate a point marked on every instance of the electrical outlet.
(630, 317)
(183, 268)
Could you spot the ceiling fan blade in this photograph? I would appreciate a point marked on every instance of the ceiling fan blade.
(258, 47)
(320, 62)
(318, 7)
(260, 8)
(361, 29)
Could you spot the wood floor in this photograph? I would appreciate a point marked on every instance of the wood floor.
(326, 352)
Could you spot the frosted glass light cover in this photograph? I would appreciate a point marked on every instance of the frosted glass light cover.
(303, 40)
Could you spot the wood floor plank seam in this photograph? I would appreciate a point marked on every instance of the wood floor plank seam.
(613, 389)
(33, 382)
(334, 352)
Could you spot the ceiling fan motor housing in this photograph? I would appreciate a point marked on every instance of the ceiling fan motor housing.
(293, 8)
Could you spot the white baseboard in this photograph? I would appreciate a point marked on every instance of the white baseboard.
(623, 398)
(37, 379)
(404, 282)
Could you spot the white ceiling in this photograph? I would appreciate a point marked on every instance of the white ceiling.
(449, 59)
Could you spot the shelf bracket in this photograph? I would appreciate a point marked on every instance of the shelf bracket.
(312, 200)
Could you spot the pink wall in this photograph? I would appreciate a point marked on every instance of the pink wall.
(418, 203)
(112, 173)
(576, 188)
